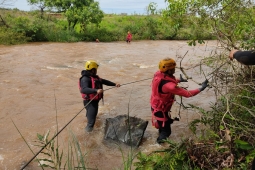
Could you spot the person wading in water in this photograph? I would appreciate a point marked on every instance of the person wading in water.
(91, 88)
(164, 88)
(129, 37)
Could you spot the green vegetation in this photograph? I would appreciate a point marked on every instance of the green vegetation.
(228, 136)
(52, 156)
(57, 27)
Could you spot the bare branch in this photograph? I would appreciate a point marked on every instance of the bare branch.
(4, 3)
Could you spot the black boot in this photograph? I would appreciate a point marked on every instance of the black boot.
(88, 129)
(162, 137)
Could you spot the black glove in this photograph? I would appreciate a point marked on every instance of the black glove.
(174, 119)
(182, 79)
(203, 85)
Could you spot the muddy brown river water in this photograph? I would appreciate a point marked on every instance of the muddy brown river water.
(40, 80)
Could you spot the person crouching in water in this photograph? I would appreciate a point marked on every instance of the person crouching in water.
(91, 89)
(129, 37)
(164, 88)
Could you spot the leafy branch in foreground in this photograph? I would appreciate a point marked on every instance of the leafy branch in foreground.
(51, 156)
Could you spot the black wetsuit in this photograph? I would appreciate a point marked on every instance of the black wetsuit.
(86, 88)
(245, 57)
(164, 132)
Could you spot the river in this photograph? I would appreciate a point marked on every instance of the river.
(39, 92)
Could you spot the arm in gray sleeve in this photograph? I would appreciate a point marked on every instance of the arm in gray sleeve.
(108, 83)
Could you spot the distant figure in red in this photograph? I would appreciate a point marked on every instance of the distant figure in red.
(97, 40)
(129, 37)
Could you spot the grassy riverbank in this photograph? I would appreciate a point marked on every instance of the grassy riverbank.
(21, 27)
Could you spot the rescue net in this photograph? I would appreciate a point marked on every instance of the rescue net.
(126, 129)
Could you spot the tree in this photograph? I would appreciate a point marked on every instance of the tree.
(41, 4)
(151, 8)
(79, 11)
(229, 20)
(5, 3)
(76, 11)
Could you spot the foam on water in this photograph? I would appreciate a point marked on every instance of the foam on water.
(115, 60)
(143, 65)
(1, 158)
(59, 67)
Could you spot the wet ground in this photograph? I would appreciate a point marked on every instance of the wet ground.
(39, 92)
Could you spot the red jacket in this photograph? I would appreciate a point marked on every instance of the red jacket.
(129, 37)
(162, 98)
(161, 101)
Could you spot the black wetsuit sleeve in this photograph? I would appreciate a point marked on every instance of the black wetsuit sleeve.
(108, 83)
(85, 83)
(161, 84)
(245, 57)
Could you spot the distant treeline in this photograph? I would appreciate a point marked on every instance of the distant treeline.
(21, 27)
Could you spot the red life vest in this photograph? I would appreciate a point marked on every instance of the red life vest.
(96, 84)
(129, 37)
(160, 101)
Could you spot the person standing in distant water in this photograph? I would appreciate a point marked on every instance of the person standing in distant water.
(129, 37)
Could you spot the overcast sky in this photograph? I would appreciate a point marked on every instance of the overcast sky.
(109, 6)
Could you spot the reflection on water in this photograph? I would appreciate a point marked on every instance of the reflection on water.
(46, 76)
